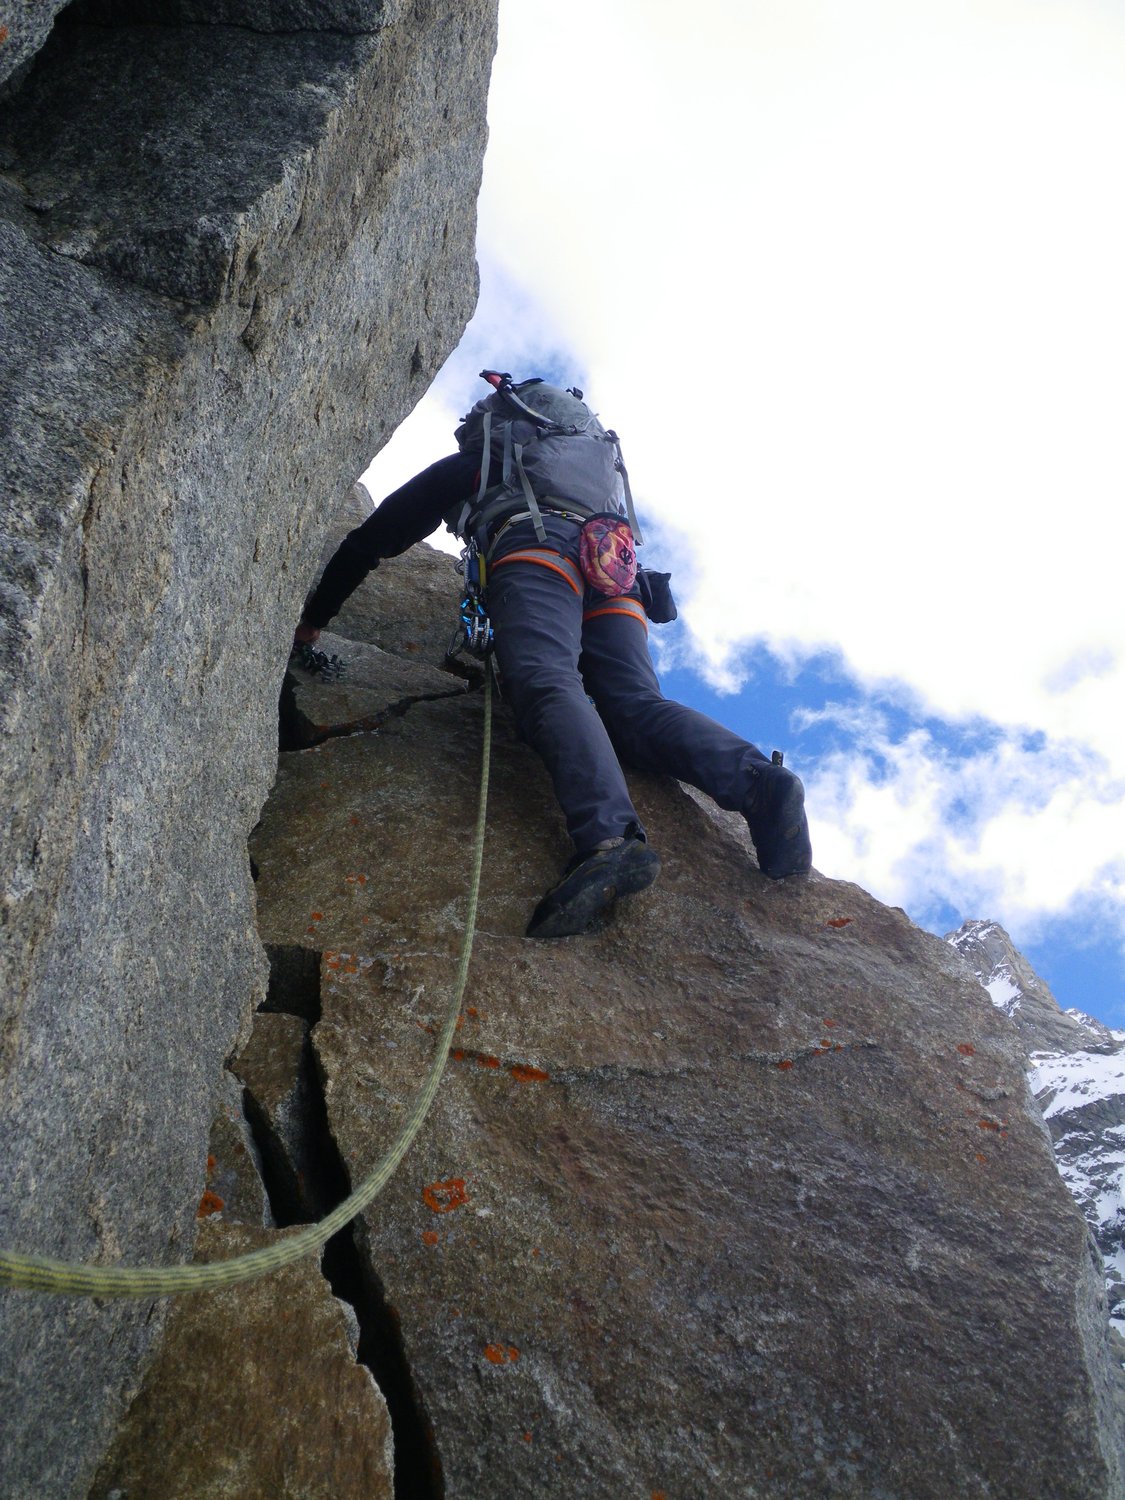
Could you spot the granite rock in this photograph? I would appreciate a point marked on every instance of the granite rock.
(274, 1068)
(230, 263)
(743, 1194)
(1016, 989)
(24, 26)
(1076, 1070)
(374, 686)
(408, 606)
(233, 1186)
(254, 1395)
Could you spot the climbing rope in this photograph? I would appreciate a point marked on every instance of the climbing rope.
(63, 1278)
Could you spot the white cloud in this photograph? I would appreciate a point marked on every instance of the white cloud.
(847, 280)
(875, 261)
(1032, 832)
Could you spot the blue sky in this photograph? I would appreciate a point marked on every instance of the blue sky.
(847, 281)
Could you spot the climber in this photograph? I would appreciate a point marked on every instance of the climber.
(559, 637)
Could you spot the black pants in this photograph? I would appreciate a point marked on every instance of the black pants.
(555, 645)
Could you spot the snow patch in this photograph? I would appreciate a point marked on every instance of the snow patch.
(1075, 1079)
(1004, 992)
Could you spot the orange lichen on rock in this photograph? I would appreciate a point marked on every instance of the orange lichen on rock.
(501, 1354)
(966, 1049)
(444, 1197)
(838, 922)
(209, 1204)
(429, 1236)
(786, 1062)
(526, 1073)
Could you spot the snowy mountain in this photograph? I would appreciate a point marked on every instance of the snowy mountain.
(1076, 1068)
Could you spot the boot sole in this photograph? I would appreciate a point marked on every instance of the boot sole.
(790, 854)
(596, 888)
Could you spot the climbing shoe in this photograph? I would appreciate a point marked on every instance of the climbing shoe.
(775, 811)
(592, 883)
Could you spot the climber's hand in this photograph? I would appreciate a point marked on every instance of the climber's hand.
(305, 635)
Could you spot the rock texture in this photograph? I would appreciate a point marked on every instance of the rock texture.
(24, 27)
(1076, 1070)
(744, 1195)
(231, 260)
(254, 1395)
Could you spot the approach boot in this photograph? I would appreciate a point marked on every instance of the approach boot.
(591, 885)
(774, 809)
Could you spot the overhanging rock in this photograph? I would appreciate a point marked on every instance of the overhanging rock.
(231, 260)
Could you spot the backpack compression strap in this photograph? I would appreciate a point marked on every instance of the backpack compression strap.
(503, 387)
(502, 383)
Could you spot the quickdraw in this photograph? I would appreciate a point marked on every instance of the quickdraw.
(474, 631)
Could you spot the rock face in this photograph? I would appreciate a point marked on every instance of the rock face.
(1077, 1073)
(1014, 987)
(232, 260)
(24, 27)
(744, 1194)
(254, 1395)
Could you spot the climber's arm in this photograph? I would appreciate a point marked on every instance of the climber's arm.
(405, 517)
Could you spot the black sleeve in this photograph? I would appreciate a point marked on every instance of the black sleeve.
(405, 517)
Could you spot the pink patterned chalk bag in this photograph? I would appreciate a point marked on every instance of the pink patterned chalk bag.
(607, 554)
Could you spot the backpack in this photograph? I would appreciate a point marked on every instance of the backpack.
(537, 443)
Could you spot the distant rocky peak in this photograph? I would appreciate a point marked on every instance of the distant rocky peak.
(1019, 992)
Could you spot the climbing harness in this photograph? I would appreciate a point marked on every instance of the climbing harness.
(545, 557)
(64, 1278)
(632, 608)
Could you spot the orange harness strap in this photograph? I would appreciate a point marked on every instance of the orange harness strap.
(546, 559)
(621, 605)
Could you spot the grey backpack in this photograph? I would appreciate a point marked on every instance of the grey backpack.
(537, 444)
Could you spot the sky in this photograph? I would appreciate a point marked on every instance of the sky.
(846, 278)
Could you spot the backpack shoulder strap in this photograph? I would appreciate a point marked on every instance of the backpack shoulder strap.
(619, 465)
